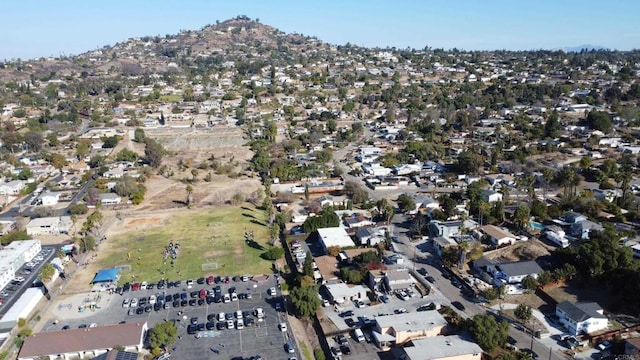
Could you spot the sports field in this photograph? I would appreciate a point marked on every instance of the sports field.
(214, 238)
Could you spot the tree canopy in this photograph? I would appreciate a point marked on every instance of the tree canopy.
(163, 335)
(305, 300)
(488, 332)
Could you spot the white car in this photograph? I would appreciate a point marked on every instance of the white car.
(272, 291)
(239, 324)
(259, 314)
(152, 300)
(230, 324)
(234, 297)
(238, 314)
(143, 286)
(126, 302)
(134, 303)
(226, 298)
(189, 284)
(221, 316)
(282, 327)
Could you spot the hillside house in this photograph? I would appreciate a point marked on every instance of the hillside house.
(581, 317)
(498, 236)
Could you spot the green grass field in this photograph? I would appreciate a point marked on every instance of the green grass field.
(205, 236)
(170, 98)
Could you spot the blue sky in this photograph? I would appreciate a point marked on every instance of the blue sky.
(34, 28)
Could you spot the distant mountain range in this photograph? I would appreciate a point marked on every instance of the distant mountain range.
(582, 47)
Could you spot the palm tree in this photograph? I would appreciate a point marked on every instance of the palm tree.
(522, 215)
(463, 248)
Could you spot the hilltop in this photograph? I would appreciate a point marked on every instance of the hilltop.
(231, 40)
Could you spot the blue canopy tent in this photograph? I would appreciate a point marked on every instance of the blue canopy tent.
(106, 275)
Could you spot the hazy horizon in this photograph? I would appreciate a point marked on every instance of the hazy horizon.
(69, 27)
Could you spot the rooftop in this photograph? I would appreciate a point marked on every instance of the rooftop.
(520, 268)
(581, 311)
(78, 340)
(412, 321)
(335, 236)
(438, 347)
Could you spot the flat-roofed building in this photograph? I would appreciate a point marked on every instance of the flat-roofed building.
(84, 343)
(398, 329)
(334, 236)
(442, 348)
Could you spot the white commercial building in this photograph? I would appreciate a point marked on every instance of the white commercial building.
(22, 308)
(334, 236)
(14, 255)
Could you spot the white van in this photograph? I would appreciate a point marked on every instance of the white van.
(357, 333)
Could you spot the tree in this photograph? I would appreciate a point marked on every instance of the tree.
(163, 335)
(529, 283)
(552, 127)
(58, 161)
(406, 203)
(307, 266)
(34, 141)
(305, 300)
(522, 215)
(487, 332)
(78, 209)
(273, 254)
(110, 142)
(599, 120)
(189, 189)
(523, 312)
(351, 276)
(46, 273)
(333, 250)
(468, 162)
(86, 243)
(153, 152)
(450, 256)
(138, 135)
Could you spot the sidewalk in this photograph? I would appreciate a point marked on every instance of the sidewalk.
(551, 330)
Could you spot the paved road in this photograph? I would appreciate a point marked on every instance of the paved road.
(418, 255)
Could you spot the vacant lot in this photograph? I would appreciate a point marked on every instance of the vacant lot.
(205, 236)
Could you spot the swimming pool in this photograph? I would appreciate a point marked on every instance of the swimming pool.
(536, 225)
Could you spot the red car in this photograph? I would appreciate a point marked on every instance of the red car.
(135, 287)
(203, 293)
(210, 280)
(227, 280)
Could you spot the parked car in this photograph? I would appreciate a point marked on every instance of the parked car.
(289, 347)
(346, 313)
(458, 305)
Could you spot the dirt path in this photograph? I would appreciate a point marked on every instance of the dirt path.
(305, 335)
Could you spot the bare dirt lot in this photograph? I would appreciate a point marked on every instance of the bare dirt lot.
(524, 250)
(166, 194)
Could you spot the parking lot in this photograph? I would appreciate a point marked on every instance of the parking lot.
(262, 335)
(25, 276)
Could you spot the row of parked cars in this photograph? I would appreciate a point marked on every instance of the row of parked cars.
(171, 284)
(220, 321)
(182, 299)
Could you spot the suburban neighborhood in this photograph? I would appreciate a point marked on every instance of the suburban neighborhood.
(239, 192)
